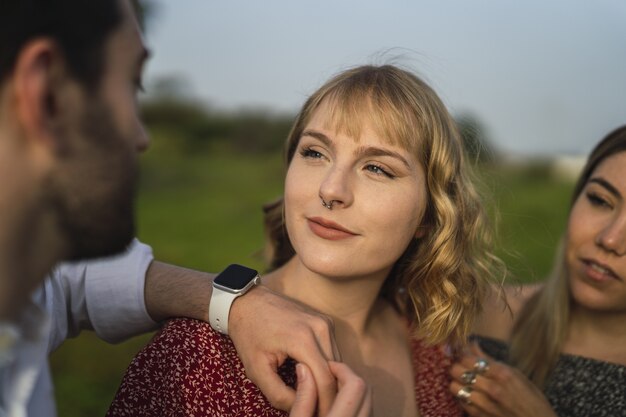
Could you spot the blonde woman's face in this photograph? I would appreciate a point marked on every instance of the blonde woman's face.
(596, 240)
(378, 197)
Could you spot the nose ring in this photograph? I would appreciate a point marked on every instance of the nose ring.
(328, 205)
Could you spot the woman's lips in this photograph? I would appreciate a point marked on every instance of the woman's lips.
(328, 230)
(598, 272)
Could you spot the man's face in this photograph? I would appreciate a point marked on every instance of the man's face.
(96, 184)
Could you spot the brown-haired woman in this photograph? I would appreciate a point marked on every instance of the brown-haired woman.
(566, 338)
(380, 228)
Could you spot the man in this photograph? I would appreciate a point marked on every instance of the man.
(69, 139)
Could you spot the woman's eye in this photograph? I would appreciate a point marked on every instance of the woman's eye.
(596, 200)
(310, 153)
(378, 170)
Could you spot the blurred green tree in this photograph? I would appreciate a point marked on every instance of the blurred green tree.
(171, 110)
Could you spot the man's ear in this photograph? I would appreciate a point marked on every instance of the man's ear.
(37, 79)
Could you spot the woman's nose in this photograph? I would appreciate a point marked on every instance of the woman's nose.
(613, 237)
(336, 187)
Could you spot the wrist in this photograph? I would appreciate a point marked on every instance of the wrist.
(244, 306)
(232, 283)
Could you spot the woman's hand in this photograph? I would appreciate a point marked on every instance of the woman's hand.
(354, 398)
(266, 328)
(498, 391)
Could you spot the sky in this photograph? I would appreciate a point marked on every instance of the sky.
(544, 77)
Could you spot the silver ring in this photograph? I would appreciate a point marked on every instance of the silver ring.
(481, 366)
(328, 205)
(464, 395)
(468, 377)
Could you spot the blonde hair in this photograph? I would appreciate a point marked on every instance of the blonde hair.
(539, 332)
(441, 280)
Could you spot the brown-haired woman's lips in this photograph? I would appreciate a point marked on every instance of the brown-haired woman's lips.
(598, 270)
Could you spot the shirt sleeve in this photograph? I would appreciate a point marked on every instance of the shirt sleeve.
(105, 295)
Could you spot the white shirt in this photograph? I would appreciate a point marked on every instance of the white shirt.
(105, 295)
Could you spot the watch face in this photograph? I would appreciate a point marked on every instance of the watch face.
(235, 277)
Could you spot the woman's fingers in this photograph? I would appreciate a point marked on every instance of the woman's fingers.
(306, 394)
(354, 397)
(486, 387)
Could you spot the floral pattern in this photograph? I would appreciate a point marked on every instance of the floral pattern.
(188, 370)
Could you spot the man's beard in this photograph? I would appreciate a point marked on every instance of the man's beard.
(97, 190)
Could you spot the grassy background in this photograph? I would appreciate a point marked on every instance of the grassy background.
(202, 210)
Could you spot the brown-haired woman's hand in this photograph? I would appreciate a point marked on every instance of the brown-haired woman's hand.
(354, 398)
(486, 387)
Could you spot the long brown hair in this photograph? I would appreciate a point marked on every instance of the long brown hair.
(540, 330)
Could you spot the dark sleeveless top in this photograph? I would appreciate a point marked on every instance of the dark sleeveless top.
(578, 386)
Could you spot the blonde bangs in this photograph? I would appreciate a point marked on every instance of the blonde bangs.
(353, 104)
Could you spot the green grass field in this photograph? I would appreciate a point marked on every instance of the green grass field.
(203, 211)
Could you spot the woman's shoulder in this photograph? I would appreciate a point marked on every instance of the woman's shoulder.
(584, 386)
(199, 356)
(501, 308)
(183, 328)
(190, 368)
(193, 342)
(193, 333)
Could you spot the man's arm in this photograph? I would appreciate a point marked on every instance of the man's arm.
(173, 291)
(265, 327)
(122, 296)
(126, 295)
(104, 295)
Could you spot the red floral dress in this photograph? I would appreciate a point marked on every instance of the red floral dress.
(190, 370)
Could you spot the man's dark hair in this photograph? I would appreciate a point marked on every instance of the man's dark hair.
(80, 27)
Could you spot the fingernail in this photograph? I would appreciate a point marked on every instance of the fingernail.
(300, 372)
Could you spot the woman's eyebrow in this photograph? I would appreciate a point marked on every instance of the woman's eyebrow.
(361, 151)
(318, 135)
(374, 151)
(604, 183)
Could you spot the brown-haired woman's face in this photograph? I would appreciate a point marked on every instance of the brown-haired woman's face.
(596, 239)
(378, 197)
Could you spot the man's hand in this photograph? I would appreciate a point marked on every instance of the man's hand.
(266, 328)
(354, 398)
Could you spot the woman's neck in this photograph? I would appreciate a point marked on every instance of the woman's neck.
(596, 334)
(350, 301)
(370, 335)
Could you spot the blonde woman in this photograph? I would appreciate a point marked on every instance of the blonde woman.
(380, 228)
(567, 338)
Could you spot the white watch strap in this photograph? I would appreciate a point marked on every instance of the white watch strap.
(219, 309)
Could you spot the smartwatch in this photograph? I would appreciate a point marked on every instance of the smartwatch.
(232, 282)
